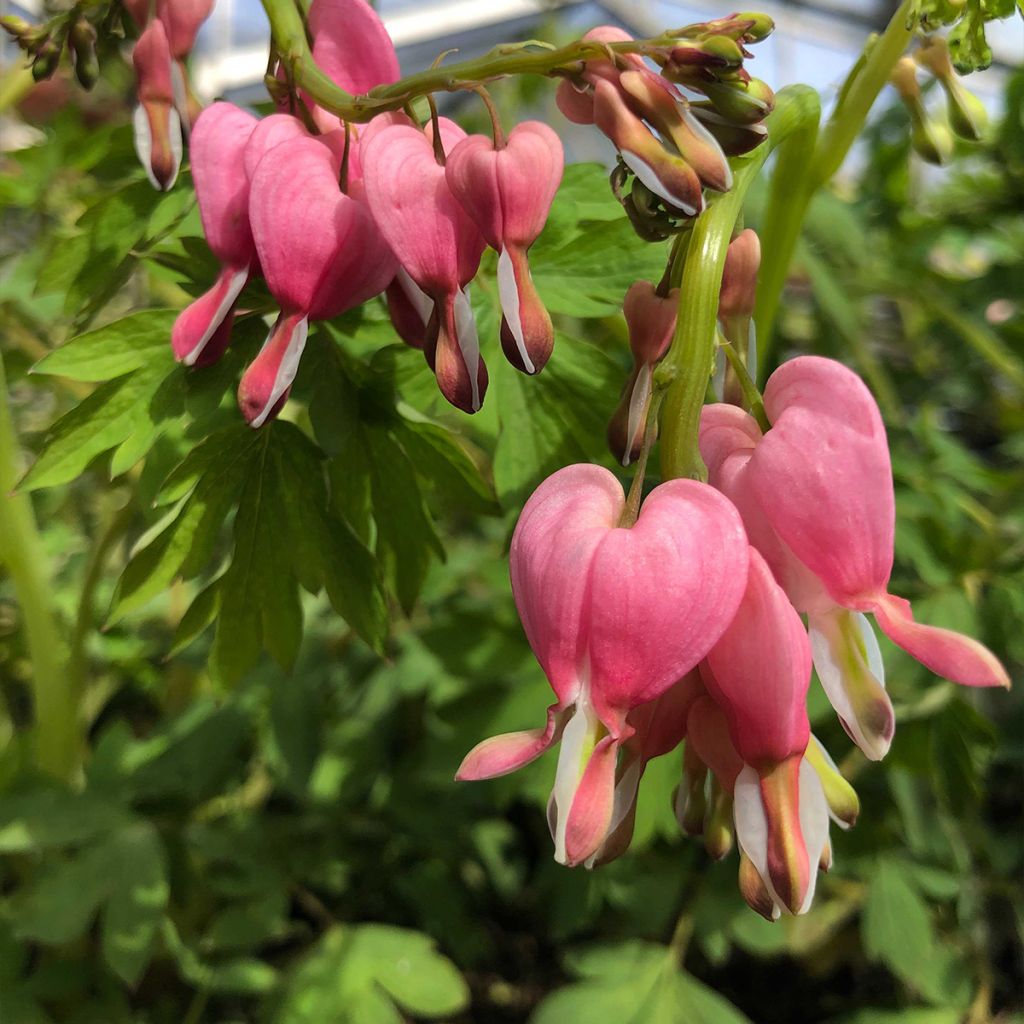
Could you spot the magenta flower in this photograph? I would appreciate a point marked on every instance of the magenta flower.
(437, 244)
(816, 495)
(758, 673)
(651, 319)
(320, 254)
(157, 124)
(203, 330)
(615, 616)
(507, 190)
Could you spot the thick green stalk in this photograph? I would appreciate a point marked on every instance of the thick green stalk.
(289, 36)
(690, 358)
(799, 174)
(57, 740)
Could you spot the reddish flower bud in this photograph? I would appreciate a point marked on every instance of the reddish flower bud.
(158, 139)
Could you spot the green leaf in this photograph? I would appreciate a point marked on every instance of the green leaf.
(406, 539)
(138, 898)
(896, 926)
(367, 973)
(634, 983)
(116, 349)
(44, 818)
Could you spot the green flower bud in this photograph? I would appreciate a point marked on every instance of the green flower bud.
(741, 102)
(932, 142)
(14, 26)
(46, 60)
(82, 42)
(967, 114)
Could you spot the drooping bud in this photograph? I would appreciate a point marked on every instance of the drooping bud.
(931, 141)
(741, 101)
(410, 309)
(158, 138)
(17, 28)
(508, 192)
(739, 278)
(82, 43)
(46, 60)
(690, 802)
(967, 114)
(651, 319)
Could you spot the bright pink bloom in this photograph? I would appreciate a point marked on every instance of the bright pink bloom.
(651, 319)
(816, 495)
(438, 245)
(320, 254)
(758, 673)
(615, 616)
(203, 330)
(508, 193)
(182, 19)
(158, 137)
(352, 47)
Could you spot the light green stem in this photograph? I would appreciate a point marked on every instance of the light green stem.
(289, 37)
(690, 358)
(58, 745)
(800, 174)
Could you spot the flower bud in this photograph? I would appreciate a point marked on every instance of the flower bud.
(46, 60)
(744, 102)
(82, 41)
(735, 139)
(759, 26)
(739, 279)
(18, 28)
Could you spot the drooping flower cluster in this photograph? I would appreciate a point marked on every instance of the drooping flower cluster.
(686, 624)
(167, 107)
(331, 219)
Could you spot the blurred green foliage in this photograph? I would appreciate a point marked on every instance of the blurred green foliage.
(306, 628)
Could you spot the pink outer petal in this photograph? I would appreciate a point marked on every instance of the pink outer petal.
(432, 236)
(351, 44)
(217, 147)
(182, 19)
(500, 755)
(577, 106)
(151, 58)
(202, 331)
(317, 246)
(661, 594)
(728, 438)
(270, 132)
(508, 192)
(552, 549)
(708, 731)
(264, 386)
(948, 654)
(590, 815)
(651, 320)
(759, 672)
(822, 476)
(660, 724)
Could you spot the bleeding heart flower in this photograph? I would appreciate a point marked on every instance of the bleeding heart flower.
(157, 124)
(758, 673)
(182, 20)
(651, 319)
(507, 190)
(203, 330)
(615, 616)
(816, 495)
(436, 243)
(320, 253)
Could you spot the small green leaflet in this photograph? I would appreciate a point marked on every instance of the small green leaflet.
(372, 973)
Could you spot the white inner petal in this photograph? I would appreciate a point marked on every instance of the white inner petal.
(752, 827)
(646, 174)
(578, 741)
(508, 293)
(422, 302)
(287, 368)
(235, 286)
(638, 403)
(178, 90)
(469, 342)
(144, 144)
(846, 659)
(813, 823)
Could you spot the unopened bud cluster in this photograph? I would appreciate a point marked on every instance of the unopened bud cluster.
(45, 44)
(671, 149)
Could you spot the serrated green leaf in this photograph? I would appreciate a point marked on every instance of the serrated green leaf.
(113, 350)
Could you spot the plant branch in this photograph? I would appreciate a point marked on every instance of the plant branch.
(58, 746)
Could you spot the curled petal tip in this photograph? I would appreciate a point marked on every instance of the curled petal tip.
(500, 755)
(265, 384)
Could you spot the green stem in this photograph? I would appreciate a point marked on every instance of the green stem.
(289, 36)
(755, 403)
(693, 346)
(799, 174)
(58, 745)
